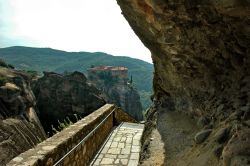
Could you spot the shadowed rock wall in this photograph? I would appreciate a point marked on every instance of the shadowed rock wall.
(64, 96)
(201, 55)
(20, 129)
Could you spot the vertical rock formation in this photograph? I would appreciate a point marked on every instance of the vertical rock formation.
(117, 89)
(64, 96)
(20, 129)
(201, 55)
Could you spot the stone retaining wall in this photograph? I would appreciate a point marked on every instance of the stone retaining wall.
(121, 116)
(51, 150)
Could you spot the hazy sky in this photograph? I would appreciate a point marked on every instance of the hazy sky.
(71, 25)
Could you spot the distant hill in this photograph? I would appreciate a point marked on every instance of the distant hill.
(47, 59)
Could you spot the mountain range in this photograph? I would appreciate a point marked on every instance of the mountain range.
(47, 59)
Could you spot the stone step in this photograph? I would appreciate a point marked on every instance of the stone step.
(122, 147)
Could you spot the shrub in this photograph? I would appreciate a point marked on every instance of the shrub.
(64, 124)
(3, 63)
(32, 73)
(3, 81)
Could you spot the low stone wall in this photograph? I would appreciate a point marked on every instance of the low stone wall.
(54, 148)
(122, 116)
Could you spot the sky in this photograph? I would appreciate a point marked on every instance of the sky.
(70, 25)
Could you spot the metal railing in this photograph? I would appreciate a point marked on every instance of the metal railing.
(103, 145)
(84, 139)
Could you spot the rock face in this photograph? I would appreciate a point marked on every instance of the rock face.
(117, 89)
(201, 55)
(237, 150)
(20, 129)
(62, 96)
(202, 135)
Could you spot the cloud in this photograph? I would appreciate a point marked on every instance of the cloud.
(72, 25)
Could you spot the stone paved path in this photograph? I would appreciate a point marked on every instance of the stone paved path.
(122, 147)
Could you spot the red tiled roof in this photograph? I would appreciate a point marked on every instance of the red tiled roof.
(108, 68)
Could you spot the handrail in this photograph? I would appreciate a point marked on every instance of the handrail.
(84, 139)
(94, 159)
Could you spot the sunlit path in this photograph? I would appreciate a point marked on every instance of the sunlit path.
(122, 147)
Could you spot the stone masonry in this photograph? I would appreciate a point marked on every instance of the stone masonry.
(122, 147)
(48, 152)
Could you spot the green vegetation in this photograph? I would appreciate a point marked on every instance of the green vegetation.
(46, 59)
(65, 123)
(4, 64)
(62, 125)
(3, 81)
(32, 73)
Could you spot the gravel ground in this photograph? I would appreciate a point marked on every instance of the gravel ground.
(172, 137)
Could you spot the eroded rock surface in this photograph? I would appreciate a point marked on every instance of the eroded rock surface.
(200, 51)
(237, 151)
(117, 89)
(20, 128)
(202, 135)
(63, 96)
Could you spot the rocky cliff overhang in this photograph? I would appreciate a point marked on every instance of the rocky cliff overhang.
(200, 51)
(20, 128)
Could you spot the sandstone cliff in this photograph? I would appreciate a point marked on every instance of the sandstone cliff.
(64, 96)
(117, 89)
(201, 55)
(20, 129)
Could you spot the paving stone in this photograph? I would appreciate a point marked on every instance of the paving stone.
(117, 138)
(136, 142)
(108, 144)
(123, 139)
(105, 150)
(135, 149)
(114, 144)
(123, 156)
(135, 156)
(128, 147)
(137, 138)
(124, 161)
(112, 156)
(114, 151)
(129, 140)
(133, 163)
(123, 147)
(125, 151)
(97, 162)
(117, 161)
(100, 156)
(107, 161)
